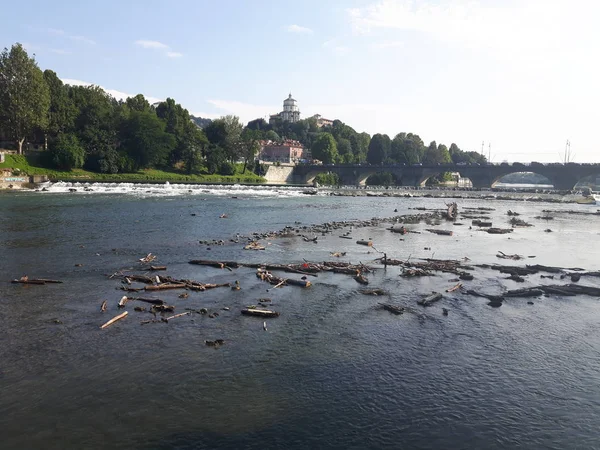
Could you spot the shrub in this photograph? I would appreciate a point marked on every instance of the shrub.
(66, 153)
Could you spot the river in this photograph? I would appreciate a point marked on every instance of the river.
(333, 371)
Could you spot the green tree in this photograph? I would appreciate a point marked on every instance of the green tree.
(250, 145)
(325, 148)
(436, 154)
(191, 146)
(345, 150)
(138, 103)
(62, 111)
(146, 141)
(66, 153)
(226, 132)
(96, 127)
(233, 137)
(258, 125)
(24, 95)
(215, 157)
(379, 149)
(272, 136)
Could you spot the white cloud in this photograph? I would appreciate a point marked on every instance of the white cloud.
(156, 45)
(151, 44)
(82, 39)
(114, 93)
(55, 31)
(529, 26)
(63, 33)
(335, 47)
(382, 45)
(298, 29)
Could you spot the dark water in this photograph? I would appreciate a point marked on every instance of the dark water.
(332, 372)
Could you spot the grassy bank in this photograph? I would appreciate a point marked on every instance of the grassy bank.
(28, 165)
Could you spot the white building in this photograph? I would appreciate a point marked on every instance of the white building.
(290, 113)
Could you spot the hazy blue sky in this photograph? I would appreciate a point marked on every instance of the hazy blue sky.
(521, 75)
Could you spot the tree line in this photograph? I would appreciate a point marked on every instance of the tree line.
(85, 127)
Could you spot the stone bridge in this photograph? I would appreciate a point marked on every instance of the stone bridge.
(562, 176)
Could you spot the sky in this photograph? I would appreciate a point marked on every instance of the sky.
(517, 78)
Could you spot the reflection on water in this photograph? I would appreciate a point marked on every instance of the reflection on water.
(332, 371)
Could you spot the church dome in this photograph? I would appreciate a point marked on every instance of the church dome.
(290, 100)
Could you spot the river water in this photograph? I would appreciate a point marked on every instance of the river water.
(333, 371)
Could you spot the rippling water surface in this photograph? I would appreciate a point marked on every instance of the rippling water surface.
(333, 371)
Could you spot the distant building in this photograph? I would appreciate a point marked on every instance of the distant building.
(321, 121)
(287, 152)
(290, 113)
(1, 158)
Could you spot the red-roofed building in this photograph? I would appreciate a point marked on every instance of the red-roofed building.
(287, 152)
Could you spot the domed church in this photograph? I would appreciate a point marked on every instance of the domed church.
(290, 113)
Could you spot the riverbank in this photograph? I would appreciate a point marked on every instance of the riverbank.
(27, 165)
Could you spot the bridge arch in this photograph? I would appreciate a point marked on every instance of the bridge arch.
(545, 180)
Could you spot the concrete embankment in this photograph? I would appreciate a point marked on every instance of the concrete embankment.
(21, 181)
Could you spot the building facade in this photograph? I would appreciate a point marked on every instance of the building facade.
(290, 113)
(286, 152)
(322, 121)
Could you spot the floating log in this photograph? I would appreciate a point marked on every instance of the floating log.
(482, 224)
(526, 292)
(551, 269)
(373, 292)
(454, 288)
(260, 312)
(430, 299)
(154, 301)
(148, 258)
(301, 283)
(176, 316)
(28, 281)
(103, 306)
(466, 276)
(130, 289)
(218, 264)
(158, 267)
(399, 229)
(141, 278)
(519, 223)
(494, 298)
(367, 243)
(254, 245)
(346, 237)
(162, 308)
(499, 230)
(123, 301)
(440, 232)
(360, 278)
(113, 320)
(451, 211)
(165, 286)
(503, 255)
(392, 308)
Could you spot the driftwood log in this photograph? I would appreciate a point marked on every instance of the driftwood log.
(440, 232)
(430, 299)
(260, 312)
(113, 320)
(392, 308)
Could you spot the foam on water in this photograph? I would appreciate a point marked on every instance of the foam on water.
(170, 190)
